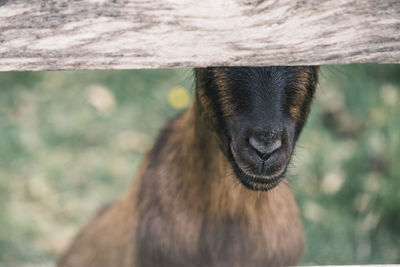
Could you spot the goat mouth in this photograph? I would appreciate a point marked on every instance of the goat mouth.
(256, 184)
(253, 181)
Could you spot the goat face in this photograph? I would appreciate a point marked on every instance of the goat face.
(257, 114)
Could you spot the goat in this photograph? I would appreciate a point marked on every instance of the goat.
(210, 191)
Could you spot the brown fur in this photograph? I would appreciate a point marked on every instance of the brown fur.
(303, 80)
(227, 103)
(184, 197)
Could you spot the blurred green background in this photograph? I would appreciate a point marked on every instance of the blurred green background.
(71, 141)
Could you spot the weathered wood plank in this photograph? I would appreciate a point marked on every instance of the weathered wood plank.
(121, 34)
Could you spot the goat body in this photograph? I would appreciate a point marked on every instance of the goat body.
(186, 207)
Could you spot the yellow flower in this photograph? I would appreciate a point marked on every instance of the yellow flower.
(178, 97)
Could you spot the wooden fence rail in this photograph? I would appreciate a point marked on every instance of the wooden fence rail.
(122, 34)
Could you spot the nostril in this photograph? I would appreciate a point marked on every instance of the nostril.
(264, 148)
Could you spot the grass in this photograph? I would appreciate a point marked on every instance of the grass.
(70, 141)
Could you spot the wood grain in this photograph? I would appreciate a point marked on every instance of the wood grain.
(124, 34)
